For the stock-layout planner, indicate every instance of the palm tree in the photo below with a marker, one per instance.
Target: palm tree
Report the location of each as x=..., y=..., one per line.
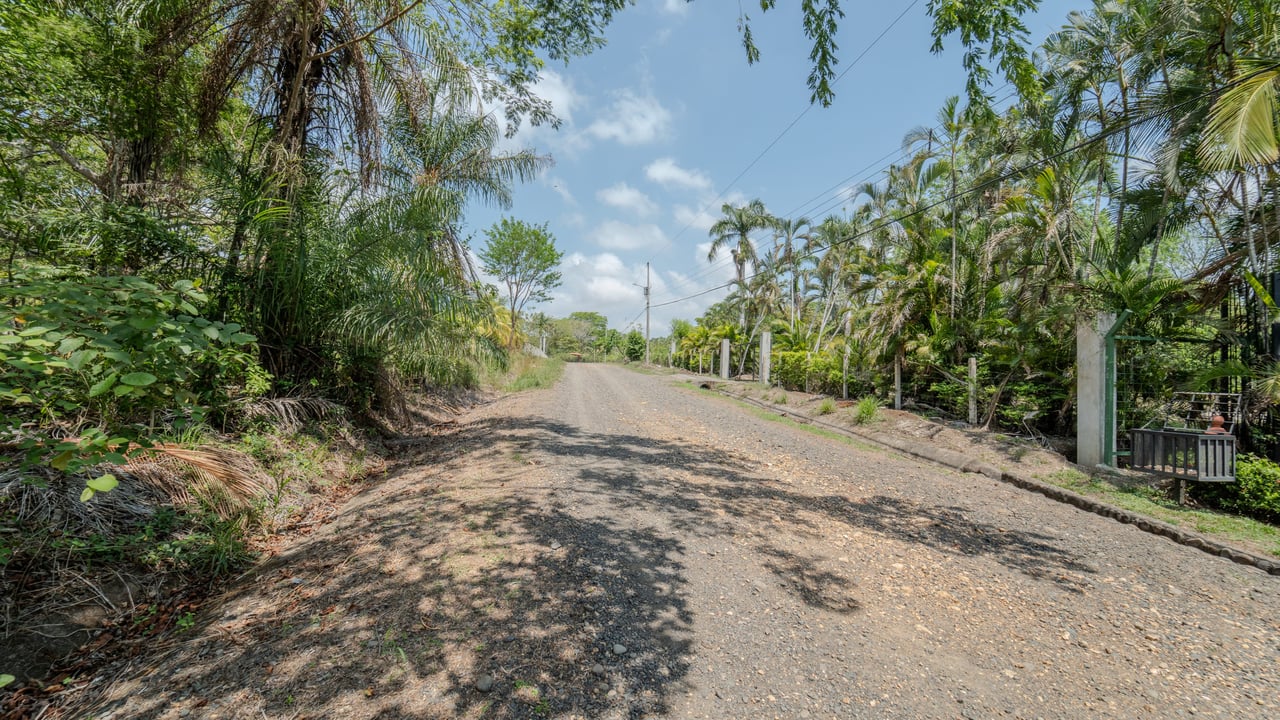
x=787, y=233
x=734, y=232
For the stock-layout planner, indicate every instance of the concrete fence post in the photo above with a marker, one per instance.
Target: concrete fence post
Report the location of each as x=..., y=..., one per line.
x=1091, y=389
x=724, y=359
x=766, y=355
x=973, y=391
x=897, y=382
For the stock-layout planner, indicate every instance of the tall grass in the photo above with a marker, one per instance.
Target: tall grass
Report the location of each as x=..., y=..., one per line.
x=531, y=373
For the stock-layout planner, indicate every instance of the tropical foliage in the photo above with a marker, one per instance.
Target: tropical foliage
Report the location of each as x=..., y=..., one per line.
x=1140, y=174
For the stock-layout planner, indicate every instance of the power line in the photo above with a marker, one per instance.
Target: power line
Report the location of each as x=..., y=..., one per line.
x=822, y=203
x=819, y=204
x=1101, y=136
x=797, y=118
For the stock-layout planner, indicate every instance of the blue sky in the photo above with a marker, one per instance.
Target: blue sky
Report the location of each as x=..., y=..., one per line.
x=659, y=125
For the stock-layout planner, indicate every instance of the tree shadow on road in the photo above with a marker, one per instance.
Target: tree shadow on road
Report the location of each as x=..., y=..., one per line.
x=521, y=551
x=704, y=491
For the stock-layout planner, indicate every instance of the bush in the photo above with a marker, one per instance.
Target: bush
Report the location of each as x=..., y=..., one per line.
x=1256, y=491
x=108, y=359
x=867, y=410
x=819, y=372
x=827, y=406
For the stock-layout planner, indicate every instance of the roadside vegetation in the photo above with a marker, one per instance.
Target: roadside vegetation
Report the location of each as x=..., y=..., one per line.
x=1140, y=179
x=234, y=256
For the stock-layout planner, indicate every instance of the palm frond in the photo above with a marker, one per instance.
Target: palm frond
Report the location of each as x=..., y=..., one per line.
x=1242, y=124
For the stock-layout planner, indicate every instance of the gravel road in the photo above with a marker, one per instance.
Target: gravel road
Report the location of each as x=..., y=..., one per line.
x=812, y=578
x=625, y=546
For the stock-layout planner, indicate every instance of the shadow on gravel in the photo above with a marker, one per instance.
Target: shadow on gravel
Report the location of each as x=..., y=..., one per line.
x=399, y=609
x=638, y=472
x=417, y=592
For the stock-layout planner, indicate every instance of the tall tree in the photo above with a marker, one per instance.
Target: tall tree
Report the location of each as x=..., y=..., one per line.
x=733, y=231
x=523, y=257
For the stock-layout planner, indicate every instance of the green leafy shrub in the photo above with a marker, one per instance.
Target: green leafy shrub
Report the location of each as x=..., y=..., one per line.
x=1256, y=491
x=827, y=406
x=93, y=365
x=633, y=346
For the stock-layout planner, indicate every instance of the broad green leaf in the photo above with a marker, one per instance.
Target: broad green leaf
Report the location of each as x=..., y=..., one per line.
x=6, y=679
x=102, y=385
x=70, y=345
x=37, y=330
x=80, y=357
x=1261, y=291
x=211, y=333
x=122, y=390
x=86, y=494
x=10, y=339
x=106, y=483
x=144, y=323
x=61, y=461
x=138, y=379
x=242, y=338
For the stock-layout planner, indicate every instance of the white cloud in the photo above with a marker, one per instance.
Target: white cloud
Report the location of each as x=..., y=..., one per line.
x=628, y=198
x=632, y=120
x=699, y=219
x=615, y=235
x=561, y=188
x=557, y=90
x=667, y=173
x=675, y=7
x=600, y=283
x=605, y=284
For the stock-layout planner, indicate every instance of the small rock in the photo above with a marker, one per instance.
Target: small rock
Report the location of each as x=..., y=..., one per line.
x=619, y=649
x=555, y=545
x=484, y=683
x=597, y=669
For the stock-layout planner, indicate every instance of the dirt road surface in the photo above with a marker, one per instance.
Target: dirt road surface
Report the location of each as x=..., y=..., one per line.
x=626, y=547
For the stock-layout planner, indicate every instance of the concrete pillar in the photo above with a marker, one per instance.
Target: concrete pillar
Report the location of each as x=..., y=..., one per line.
x=1091, y=389
x=766, y=355
x=724, y=359
x=897, y=382
x=973, y=391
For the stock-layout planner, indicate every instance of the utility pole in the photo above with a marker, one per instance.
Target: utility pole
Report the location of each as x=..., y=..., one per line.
x=646, y=313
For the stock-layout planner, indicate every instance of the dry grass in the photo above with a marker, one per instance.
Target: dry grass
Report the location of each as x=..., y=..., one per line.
x=227, y=480
x=290, y=414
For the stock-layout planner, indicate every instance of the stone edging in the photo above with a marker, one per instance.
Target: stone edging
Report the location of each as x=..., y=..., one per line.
x=964, y=463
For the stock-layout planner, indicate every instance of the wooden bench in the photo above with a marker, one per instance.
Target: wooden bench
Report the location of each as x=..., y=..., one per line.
x=1189, y=445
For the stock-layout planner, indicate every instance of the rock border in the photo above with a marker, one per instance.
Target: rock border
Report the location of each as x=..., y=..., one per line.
x=959, y=461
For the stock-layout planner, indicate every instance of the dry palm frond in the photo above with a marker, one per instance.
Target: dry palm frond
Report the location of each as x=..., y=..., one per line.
x=227, y=480
x=52, y=501
x=290, y=414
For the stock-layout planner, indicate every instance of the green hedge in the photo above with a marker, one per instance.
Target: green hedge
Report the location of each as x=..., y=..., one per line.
x=1256, y=491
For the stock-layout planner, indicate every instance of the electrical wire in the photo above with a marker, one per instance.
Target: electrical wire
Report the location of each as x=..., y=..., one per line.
x=823, y=202
x=1100, y=137
x=760, y=156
